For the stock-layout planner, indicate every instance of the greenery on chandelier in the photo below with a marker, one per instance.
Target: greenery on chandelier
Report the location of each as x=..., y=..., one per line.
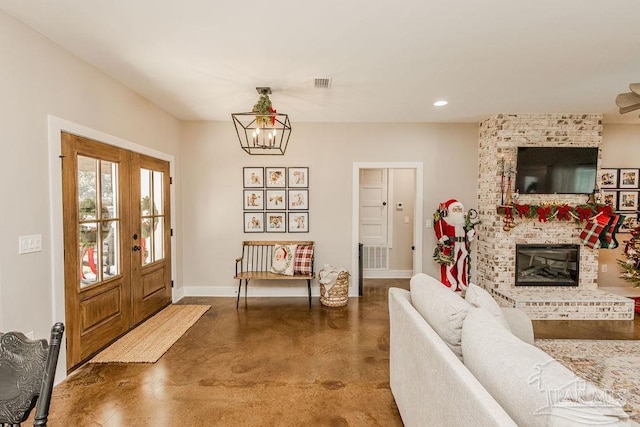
x=263, y=106
x=631, y=264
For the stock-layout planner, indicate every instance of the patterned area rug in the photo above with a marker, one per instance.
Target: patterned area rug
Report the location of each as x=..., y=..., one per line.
x=612, y=365
x=150, y=340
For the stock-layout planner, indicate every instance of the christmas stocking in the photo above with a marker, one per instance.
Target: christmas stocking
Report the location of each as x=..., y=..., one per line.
x=608, y=235
x=590, y=236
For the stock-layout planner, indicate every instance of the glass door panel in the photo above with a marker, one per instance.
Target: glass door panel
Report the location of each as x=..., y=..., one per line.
x=152, y=215
x=98, y=220
x=158, y=239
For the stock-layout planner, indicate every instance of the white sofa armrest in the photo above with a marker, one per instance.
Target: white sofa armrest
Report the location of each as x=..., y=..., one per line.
x=519, y=323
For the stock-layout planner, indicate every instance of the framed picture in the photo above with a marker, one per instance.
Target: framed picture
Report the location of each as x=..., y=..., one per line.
x=608, y=178
x=276, y=199
x=610, y=198
x=254, y=222
x=253, y=177
x=628, y=200
x=276, y=177
x=276, y=222
x=253, y=200
x=298, y=177
x=298, y=222
x=628, y=178
x=298, y=199
x=629, y=223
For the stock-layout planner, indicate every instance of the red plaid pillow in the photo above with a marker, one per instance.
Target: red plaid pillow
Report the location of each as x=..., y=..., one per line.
x=303, y=261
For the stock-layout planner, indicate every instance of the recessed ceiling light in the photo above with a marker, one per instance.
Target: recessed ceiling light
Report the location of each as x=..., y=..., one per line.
x=440, y=103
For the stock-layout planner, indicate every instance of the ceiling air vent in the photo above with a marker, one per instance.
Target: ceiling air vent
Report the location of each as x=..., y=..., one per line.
x=322, y=83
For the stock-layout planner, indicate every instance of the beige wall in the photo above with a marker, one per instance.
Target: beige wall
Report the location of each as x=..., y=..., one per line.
x=212, y=188
x=401, y=255
x=39, y=79
x=620, y=149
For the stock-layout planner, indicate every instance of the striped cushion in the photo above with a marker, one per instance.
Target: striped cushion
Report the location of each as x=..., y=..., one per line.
x=303, y=260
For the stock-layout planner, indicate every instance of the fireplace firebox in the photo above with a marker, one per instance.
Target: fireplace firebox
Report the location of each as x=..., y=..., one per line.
x=547, y=265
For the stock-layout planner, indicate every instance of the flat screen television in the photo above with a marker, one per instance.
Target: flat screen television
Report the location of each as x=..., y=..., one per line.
x=556, y=170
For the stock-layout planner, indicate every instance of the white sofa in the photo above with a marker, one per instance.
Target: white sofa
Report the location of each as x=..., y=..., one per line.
x=473, y=363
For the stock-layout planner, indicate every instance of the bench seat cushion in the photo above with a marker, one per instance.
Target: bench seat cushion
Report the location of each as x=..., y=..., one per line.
x=267, y=275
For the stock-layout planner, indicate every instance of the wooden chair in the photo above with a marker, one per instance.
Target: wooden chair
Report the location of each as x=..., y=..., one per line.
x=27, y=371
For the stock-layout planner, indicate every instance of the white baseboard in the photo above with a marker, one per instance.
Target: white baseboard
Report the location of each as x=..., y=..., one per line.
x=255, y=291
x=387, y=274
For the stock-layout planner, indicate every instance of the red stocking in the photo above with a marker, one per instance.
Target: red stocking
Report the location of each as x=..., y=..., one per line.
x=590, y=236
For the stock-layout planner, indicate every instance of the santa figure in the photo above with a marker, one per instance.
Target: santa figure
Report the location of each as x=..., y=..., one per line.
x=454, y=230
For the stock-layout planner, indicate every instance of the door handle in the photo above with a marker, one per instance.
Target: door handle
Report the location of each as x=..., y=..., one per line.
x=136, y=248
x=384, y=203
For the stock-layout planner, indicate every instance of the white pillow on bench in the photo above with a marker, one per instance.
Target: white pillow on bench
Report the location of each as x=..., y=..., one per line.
x=282, y=260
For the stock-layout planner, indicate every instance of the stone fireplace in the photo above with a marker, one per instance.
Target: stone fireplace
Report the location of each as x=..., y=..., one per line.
x=500, y=135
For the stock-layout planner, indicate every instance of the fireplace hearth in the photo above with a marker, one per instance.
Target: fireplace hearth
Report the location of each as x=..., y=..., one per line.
x=547, y=265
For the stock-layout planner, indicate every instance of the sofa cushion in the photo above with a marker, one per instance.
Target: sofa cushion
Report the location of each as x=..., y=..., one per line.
x=443, y=309
x=530, y=385
x=479, y=297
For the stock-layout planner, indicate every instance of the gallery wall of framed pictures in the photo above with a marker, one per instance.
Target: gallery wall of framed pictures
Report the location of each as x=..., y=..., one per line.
x=620, y=188
x=275, y=199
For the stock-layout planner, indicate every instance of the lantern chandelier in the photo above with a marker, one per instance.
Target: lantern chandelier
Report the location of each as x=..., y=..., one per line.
x=263, y=130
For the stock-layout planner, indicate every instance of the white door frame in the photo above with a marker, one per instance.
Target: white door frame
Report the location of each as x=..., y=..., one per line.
x=56, y=126
x=355, y=219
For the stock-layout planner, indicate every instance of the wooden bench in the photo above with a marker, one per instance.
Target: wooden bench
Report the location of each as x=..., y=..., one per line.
x=255, y=263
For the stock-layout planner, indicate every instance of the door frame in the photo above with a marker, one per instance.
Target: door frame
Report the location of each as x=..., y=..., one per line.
x=57, y=125
x=355, y=219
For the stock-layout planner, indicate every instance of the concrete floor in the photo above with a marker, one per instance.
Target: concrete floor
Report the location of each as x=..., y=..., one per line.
x=273, y=362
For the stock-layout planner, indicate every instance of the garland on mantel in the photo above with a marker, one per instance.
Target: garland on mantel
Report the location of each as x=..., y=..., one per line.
x=601, y=222
x=559, y=212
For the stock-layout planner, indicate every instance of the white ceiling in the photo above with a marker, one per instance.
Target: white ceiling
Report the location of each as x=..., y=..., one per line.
x=388, y=60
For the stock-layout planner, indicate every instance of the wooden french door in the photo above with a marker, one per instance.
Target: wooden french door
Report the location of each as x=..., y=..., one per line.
x=116, y=241
x=151, y=257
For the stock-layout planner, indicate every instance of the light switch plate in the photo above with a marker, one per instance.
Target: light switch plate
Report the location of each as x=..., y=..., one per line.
x=29, y=244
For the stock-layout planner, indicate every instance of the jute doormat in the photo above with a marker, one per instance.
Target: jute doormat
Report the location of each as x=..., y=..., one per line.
x=150, y=340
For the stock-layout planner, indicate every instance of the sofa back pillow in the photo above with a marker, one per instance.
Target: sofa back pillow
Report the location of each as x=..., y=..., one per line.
x=479, y=297
x=443, y=309
x=282, y=259
x=530, y=385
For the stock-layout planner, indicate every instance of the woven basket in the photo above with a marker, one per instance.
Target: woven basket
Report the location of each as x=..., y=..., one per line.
x=339, y=292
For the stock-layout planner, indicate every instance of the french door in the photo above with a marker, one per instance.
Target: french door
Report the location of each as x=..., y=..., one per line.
x=116, y=242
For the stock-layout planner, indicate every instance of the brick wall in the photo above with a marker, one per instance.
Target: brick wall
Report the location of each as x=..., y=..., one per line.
x=500, y=135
